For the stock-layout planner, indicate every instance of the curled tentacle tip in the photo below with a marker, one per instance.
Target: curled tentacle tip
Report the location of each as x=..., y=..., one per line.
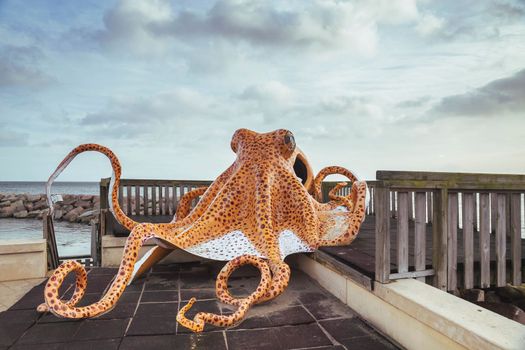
x=42, y=308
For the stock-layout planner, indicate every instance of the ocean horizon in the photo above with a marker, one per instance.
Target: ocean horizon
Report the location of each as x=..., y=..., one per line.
x=58, y=187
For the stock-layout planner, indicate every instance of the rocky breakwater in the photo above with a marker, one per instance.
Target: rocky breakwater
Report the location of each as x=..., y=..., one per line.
x=73, y=208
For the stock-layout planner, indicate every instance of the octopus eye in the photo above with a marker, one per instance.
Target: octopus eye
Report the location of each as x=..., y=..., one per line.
x=289, y=141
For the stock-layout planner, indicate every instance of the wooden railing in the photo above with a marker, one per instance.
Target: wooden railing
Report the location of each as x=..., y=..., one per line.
x=146, y=198
x=482, y=208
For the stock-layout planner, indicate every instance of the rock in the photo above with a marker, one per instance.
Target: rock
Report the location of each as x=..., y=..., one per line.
x=507, y=310
x=18, y=205
x=86, y=197
x=492, y=297
x=33, y=197
x=69, y=201
x=41, y=204
x=473, y=295
x=5, y=204
x=58, y=213
x=510, y=293
x=41, y=214
x=7, y=212
x=66, y=208
x=83, y=204
x=87, y=213
x=21, y=214
x=72, y=215
x=34, y=213
x=28, y=205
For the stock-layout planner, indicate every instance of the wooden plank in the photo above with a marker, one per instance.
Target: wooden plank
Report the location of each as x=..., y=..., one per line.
x=484, y=239
x=447, y=176
x=420, y=233
x=341, y=267
x=468, y=239
x=515, y=237
x=153, y=200
x=402, y=231
x=175, y=199
x=137, y=200
x=430, y=211
x=439, y=237
x=410, y=205
x=452, y=244
x=493, y=211
x=393, y=204
x=500, y=241
x=168, y=204
x=129, y=209
x=413, y=274
x=145, y=189
x=161, y=201
x=476, y=205
x=371, y=204
x=382, y=233
x=121, y=197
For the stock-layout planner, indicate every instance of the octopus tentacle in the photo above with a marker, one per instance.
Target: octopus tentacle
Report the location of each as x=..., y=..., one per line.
x=68, y=309
x=323, y=173
x=198, y=322
x=280, y=278
x=80, y=288
x=115, y=164
x=184, y=207
x=355, y=216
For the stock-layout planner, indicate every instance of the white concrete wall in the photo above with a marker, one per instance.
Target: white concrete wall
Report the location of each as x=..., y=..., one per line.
x=113, y=247
x=22, y=259
x=419, y=316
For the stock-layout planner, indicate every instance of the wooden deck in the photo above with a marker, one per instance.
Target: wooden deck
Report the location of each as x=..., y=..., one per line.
x=360, y=255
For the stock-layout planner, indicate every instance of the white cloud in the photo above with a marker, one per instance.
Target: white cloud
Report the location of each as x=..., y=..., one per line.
x=428, y=24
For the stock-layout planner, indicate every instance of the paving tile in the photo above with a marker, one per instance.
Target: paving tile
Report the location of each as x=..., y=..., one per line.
x=311, y=297
x=189, y=281
x=290, y=316
x=162, y=282
x=129, y=297
x=159, y=296
x=31, y=299
x=301, y=336
x=346, y=328
x=98, y=283
x=136, y=286
x=329, y=308
x=183, y=341
x=158, y=318
x=157, y=309
x=120, y=311
x=13, y=323
x=49, y=333
x=202, y=293
x=253, y=339
x=103, y=271
x=56, y=346
x=101, y=329
x=256, y=321
x=210, y=306
x=103, y=344
x=368, y=343
x=152, y=326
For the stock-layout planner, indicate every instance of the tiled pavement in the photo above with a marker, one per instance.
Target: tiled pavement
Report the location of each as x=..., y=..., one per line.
x=304, y=317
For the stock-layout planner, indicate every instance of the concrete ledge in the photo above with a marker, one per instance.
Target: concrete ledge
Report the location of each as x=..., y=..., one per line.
x=21, y=260
x=113, y=247
x=419, y=316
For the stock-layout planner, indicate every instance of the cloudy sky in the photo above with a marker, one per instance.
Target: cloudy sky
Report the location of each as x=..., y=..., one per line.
x=385, y=84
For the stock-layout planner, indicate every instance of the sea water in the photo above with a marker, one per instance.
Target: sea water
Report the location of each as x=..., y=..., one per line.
x=72, y=238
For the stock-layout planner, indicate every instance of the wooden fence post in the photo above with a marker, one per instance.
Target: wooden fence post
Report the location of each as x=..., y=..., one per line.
x=382, y=205
x=439, y=237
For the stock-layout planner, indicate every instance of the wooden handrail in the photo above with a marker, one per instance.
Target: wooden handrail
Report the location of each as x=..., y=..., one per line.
x=466, y=204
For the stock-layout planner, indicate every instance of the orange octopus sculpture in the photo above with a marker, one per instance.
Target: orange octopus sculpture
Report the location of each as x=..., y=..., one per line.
x=265, y=206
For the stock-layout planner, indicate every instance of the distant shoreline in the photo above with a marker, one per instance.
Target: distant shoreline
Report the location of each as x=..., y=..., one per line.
x=80, y=208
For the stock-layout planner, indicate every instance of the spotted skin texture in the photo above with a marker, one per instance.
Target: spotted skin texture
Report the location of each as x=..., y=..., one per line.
x=258, y=200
